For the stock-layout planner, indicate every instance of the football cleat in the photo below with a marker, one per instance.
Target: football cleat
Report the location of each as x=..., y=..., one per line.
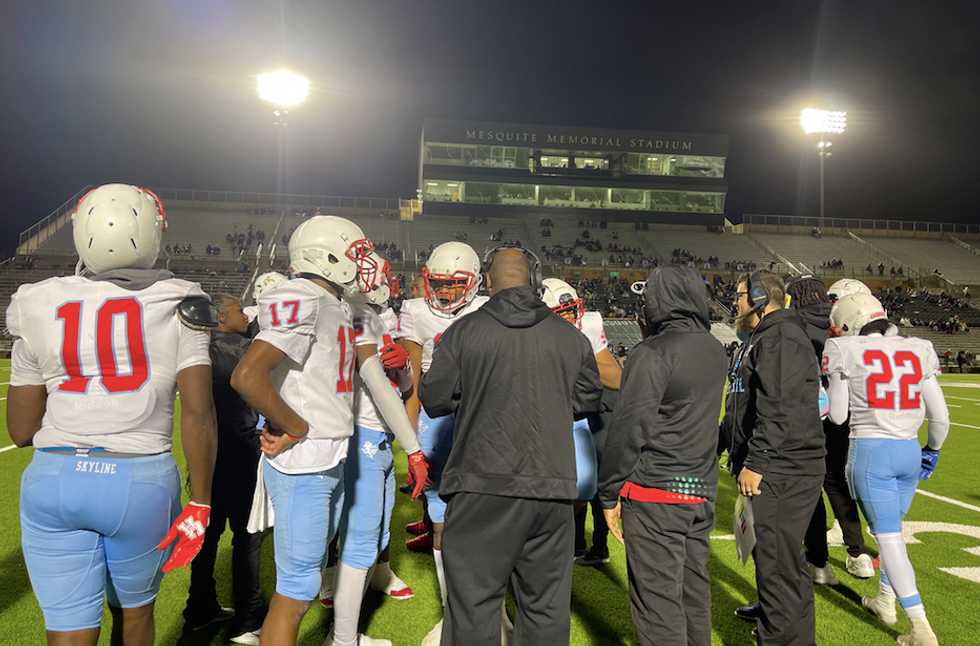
x=417, y=528
x=921, y=635
x=860, y=566
x=421, y=543
x=593, y=557
x=883, y=607
x=751, y=612
x=823, y=575
x=386, y=581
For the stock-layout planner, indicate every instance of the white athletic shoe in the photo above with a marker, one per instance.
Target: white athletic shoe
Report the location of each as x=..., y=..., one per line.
x=921, y=635
x=823, y=575
x=883, y=607
x=326, y=586
x=506, y=627
x=386, y=581
x=362, y=640
x=860, y=566
x=434, y=638
x=250, y=638
x=835, y=535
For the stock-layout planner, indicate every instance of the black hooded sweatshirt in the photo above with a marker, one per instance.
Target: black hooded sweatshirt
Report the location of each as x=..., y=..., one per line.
x=517, y=375
x=772, y=413
x=664, y=432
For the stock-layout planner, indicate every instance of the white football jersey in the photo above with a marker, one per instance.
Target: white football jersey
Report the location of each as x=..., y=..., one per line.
x=369, y=329
x=418, y=324
x=591, y=327
x=390, y=319
x=313, y=328
x=884, y=375
x=108, y=357
x=252, y=311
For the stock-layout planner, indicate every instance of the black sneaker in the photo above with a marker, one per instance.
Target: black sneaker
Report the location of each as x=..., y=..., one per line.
x=223, y=614
x=594, y=557
x=752, y=612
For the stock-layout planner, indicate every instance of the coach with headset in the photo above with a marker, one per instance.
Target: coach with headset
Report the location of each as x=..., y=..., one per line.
x=776, y=447
x=516, y=374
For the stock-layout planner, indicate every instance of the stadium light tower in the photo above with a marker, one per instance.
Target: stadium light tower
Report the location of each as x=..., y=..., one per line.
x=282, y=88
x=825, y=122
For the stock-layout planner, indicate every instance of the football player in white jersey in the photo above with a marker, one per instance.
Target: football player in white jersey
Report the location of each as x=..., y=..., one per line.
x=262, y=283
x=451, y=279
x=566, y=303
x=95, y=366
x=369, y=476
x=299, y=374
x=888, y=385
x=845, y=287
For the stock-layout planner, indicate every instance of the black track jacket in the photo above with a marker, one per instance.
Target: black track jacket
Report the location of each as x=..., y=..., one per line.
x=664, y=432
x=772, y=415
x=236, y=420
x=516, y=375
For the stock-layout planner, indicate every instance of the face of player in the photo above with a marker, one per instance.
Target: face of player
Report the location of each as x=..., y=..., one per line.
x=568, y=314
x=233, y=319
x=448, y=292
x=418, y=287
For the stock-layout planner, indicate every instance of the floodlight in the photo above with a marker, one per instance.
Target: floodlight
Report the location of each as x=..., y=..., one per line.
x=823, y=121
x=282, y=87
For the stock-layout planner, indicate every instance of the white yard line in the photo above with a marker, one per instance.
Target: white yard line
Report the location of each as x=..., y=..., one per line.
x=966, y=399
x=951, y=501
x=956, y=405
x=7, y=448
x=964, y=425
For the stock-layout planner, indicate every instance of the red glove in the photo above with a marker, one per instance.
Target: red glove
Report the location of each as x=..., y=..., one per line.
x=418, y=468
x=188, y=531
x=394, y=356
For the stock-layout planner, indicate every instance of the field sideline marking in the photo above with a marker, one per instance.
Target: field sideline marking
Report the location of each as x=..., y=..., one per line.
x=966, y=399
x=929, y=494
x=965, y=425
x=7, y=448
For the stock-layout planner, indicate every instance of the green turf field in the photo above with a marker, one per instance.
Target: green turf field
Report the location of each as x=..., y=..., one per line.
x=947, y=563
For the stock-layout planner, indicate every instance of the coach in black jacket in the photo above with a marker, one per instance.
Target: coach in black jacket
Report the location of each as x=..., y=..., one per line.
x=515, y=374
x=661, y=456
x=776, y=449
x=235, y=472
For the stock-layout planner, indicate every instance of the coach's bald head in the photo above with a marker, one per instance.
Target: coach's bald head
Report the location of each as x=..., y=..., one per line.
x=509, y=269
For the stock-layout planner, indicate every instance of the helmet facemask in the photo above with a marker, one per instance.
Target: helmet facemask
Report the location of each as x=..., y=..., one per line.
x=446, y=293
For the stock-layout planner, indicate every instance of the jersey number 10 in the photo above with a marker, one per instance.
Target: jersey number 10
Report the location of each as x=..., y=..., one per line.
x=886, y=398
x=105, y=350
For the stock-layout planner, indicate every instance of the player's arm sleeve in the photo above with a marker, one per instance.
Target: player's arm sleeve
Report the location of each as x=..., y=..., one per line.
x=440, y=386
x=838, y=388
x=588, y=386
x=287, y=318
x=636, y=410
x=192, y=347
x=936, y=411
x=389, y=404
x=779, y=379
x=25, y=368
x=406, y=328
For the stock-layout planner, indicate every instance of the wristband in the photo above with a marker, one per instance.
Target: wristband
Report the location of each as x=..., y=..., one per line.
x=295, y=439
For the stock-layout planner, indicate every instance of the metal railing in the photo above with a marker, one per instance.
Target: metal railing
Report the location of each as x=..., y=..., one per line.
x=860, y=223
x=275, y=199
x=33, y=237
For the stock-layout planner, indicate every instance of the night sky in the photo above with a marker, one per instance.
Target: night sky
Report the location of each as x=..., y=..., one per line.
x=163, y=93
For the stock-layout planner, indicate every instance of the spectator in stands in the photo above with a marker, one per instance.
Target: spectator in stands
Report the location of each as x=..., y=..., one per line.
x=869, y=269
x=881, y=269
x=961, y=359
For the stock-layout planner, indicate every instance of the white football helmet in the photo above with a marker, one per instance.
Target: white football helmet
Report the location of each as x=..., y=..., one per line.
x=852, y=312
x=452, y=278
x=384, y=287
x=118, y=226
x=561, y=298
x=846, y=286
x=264, y=282
x=334, y=249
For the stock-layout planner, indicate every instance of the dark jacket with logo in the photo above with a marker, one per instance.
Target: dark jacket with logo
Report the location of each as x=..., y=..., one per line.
x=772, y=416
x=516, y=375
x=664, y=431
x=236, y=420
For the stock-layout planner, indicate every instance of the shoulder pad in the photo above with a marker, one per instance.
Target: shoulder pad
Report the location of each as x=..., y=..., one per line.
x=198, y=313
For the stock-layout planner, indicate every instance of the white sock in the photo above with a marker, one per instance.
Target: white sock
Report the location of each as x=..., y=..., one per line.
x=441, y=575
x=347, y=604
x=894, y=560
x=884, y=587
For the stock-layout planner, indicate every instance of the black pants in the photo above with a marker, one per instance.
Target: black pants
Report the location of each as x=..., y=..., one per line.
x=489, y=540
x=231, y=501
x=667, y=549
x=844, y=507
x=600, y=531
x=782, y=513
